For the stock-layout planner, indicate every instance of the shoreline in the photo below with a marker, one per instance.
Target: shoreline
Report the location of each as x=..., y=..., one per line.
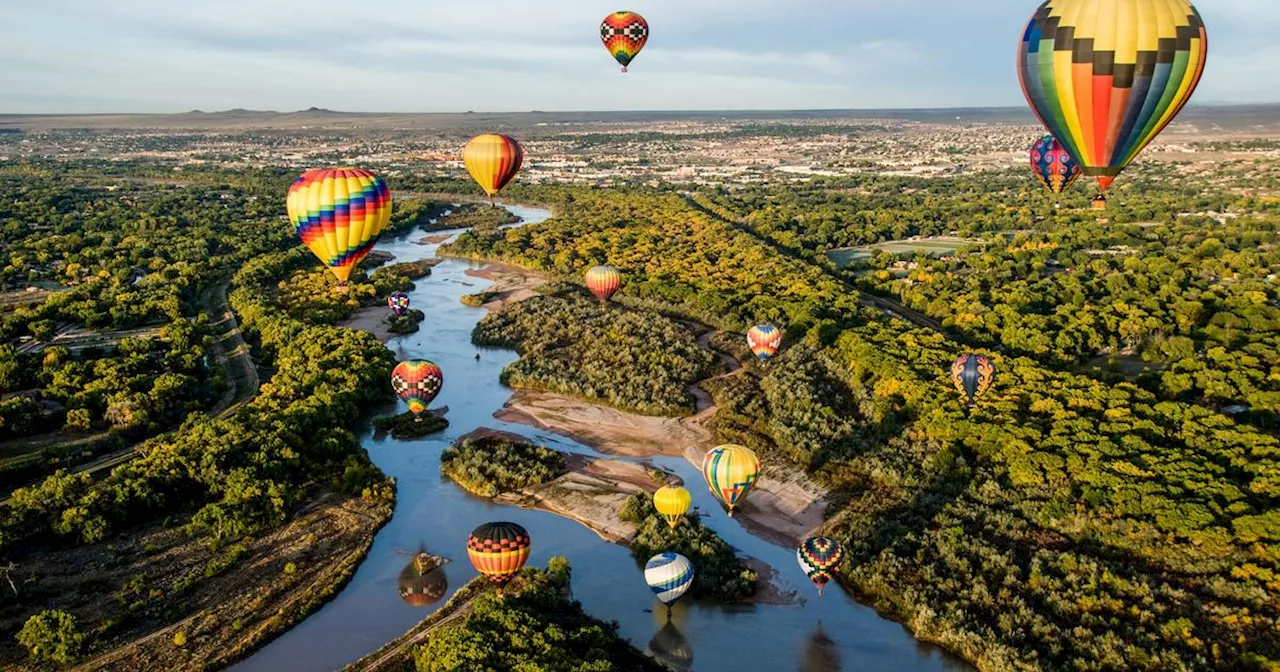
x=784, y=507
x=592, y=491
x=511, y=284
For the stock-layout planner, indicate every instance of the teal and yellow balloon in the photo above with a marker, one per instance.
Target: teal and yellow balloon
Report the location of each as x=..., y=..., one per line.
x=339, y=214
x=1106, y=76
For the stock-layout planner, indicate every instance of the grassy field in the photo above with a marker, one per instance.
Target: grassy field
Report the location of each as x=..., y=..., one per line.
x=938, y=245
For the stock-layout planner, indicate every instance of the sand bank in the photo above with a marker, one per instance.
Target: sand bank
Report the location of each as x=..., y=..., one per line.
x=510, y=283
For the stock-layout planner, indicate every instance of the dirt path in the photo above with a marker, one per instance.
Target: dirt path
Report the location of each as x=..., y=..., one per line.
x=230, y=352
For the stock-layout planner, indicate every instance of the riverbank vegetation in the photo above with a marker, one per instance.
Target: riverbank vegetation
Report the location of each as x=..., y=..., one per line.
x=219, y=482
x=407, y=426
x=719, y=575
x=491, y=465
x=480, y=215
x=635, y=361
x=1067, y=521
x=479, y=299
x=536, y=626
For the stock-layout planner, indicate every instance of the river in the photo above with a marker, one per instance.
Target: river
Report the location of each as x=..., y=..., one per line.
x=832, y=632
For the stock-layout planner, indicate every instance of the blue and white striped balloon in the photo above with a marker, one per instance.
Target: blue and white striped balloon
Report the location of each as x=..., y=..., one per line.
x=669, y=575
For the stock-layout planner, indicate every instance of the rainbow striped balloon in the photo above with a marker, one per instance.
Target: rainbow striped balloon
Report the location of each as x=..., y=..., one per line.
x=764, y=340
x=1106, y=76
x=669, y=576
x=731, y=471
x=603, y=281
x=339, y=213
x=493, y=160
x=624, y=35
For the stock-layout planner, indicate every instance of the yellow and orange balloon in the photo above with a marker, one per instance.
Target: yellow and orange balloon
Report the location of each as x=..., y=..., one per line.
x=493, y=160
x=339, y=214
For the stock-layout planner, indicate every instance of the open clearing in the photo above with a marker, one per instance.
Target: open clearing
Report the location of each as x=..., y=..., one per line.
x=937, y=246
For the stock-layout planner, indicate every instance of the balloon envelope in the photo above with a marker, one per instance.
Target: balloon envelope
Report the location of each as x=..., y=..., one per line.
x=672, y=503
x=1053, y=165
x=498, y=550
x=417, y=382
x=493, y=160
x=339, y=214
x=764, y=340
x=399, y=303
x=669, y=576
x=624, y=35
x=731, y=470
x=603, y=281
x=1106, y=76
x=973, y=375
x=818, y=558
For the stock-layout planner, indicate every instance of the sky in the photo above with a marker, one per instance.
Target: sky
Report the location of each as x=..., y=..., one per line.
x=520, y=55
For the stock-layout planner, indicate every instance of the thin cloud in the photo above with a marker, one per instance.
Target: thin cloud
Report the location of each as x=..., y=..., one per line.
x=441, y=55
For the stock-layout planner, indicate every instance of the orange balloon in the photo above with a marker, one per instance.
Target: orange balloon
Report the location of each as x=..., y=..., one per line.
x=493, y=160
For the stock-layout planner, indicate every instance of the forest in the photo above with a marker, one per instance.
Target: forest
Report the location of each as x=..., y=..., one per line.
x=719, y=576
x=490, y=465
x=640, y=362
x=1078, y=517
x=1068, y=521
x=222, y=479
x=537, y=626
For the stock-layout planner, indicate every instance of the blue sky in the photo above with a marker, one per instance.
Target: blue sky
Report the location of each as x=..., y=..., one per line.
x=513, y=55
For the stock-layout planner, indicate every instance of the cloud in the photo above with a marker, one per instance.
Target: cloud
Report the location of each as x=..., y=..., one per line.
x=444, y=55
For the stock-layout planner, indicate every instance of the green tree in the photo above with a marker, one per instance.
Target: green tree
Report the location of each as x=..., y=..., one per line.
x=52, y=636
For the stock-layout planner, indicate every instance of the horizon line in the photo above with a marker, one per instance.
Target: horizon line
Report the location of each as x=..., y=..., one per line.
x=1023, y=108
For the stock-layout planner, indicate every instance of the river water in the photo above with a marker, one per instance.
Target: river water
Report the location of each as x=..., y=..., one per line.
x=827, y=633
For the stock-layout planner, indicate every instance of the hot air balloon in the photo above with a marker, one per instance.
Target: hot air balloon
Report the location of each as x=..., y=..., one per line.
x=973, y=374
x=417, y=382
x=421, y=588
x=603, y=281
x=1106, y=76
x=818, y=557
x=339, y=213
x=399, y=303
x=624, y=35
x=764, y=340
x=669, y=576
x=730, y=471
x=672, y=503
x=1052, y=165
x=493, y=160
x=498, y=550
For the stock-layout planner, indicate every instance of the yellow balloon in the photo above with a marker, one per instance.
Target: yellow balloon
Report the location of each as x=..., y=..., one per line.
x=672, y=503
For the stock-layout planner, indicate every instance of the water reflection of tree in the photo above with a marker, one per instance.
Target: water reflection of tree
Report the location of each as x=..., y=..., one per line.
x=819, y=653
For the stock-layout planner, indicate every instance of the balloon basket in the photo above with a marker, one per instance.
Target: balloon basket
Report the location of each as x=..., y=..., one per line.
x=624, y=69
